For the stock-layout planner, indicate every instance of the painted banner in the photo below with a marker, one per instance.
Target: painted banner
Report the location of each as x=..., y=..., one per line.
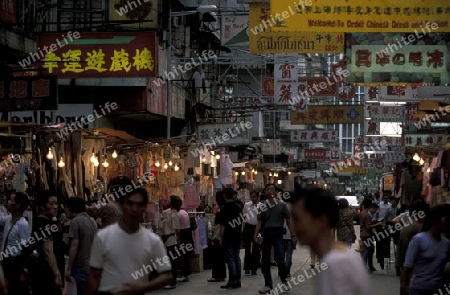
x=271, y=147
x=313, y=86
x=315, y=154
x=224, y=134
x=331, y=114
x=424, y=139
x=404, y=64
x=372, y=127
x=391, y=93
x=112, y=54
x=28, y=93
x=234, y=30
x=335, y=154
x=361, y=15
x=378, y=113
x=377, y=141
x=314, y=136
x=285, y=78
x=266, y=38
x=8, y=11
x=141, y=14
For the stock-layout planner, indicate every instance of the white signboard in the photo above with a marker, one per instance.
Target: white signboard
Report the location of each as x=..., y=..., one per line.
x=424, y=139
x=384, y=113
x=285, y=79
x=389, y=141
x=307, y=174
x=314, y=136
x=66, y=113
x=271, y=147
x=235, y=30
x=391, y=93
x=225, y=134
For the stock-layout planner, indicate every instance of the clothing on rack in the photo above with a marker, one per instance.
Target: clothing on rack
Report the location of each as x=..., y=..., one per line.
x=191, y=201
x=202, y=231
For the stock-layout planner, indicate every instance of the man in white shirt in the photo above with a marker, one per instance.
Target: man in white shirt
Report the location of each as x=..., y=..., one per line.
x=314, y=214
x=384, y=207
x=125, y=254
x=252, y=249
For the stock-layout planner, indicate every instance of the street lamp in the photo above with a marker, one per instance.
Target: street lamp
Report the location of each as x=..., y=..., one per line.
x=201, y=9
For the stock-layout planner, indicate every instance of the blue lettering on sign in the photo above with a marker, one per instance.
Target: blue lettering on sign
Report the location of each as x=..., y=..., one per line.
x=353, y=114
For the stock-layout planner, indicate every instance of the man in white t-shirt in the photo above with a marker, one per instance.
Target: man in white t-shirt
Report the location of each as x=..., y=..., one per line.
x=314, y=214
x=125, y=254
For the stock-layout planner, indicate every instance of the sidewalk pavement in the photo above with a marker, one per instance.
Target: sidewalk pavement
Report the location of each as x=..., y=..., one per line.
x=384, y=282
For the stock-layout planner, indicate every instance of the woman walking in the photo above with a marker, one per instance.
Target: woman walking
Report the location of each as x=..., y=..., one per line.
x=345, y=231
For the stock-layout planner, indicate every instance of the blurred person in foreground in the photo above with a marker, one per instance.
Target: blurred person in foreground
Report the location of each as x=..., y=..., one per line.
x=125, y=254
x=427, y=254
x=315, y=213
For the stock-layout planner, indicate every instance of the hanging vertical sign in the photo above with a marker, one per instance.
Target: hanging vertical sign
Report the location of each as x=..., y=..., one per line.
x=285, y=79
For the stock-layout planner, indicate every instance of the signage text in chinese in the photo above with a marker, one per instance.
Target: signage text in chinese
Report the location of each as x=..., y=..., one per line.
x=329, y=115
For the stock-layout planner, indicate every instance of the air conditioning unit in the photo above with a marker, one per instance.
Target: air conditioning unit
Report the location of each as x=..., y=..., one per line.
x=175, y=22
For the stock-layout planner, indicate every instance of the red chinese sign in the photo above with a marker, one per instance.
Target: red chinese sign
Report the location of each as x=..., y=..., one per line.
x=117, y=54
x=320, y=86
x=315, y=154
x=314, y=136
x=28, y=93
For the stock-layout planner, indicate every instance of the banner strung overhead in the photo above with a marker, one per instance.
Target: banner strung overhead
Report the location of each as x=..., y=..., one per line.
x=329, y=115
x=266, y=39
x=361, y=15
x=314, y=136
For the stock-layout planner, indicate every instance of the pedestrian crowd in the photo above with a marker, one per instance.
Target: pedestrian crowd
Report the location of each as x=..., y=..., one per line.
x=121, y=256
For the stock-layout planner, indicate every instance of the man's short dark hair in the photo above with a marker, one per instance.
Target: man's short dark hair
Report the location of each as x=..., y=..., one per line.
x=124, y=187
x=175, y=202
x=140, y=190
x=374, y=205
x=318, y=202
x=76, y=205
x=263, y=197
x=22, y=200
x=367, y=203
x=228, y=193
x=269, y=184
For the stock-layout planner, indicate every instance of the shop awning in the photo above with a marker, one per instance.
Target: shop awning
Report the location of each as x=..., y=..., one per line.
x=118, y=137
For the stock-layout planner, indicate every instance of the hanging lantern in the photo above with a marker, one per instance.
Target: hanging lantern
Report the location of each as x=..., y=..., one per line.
x=61, y=163
x=50, y=154
x=114, y=154
x=243, y=173
x=176, y=168
x=157, y=164
x=170, y=163
x=105, y=164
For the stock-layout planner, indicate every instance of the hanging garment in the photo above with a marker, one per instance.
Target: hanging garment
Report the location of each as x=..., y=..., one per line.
x=259, y=181
x=196, y=238
x=190, y=197
x=202, y=232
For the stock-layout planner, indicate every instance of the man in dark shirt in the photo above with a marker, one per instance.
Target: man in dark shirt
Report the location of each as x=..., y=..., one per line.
x=230, y=238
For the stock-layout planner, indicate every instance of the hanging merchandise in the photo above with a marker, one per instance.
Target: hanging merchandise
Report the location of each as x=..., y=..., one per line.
x=226, y=166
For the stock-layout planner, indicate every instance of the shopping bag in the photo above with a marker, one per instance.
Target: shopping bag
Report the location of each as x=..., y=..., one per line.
x=70, y=287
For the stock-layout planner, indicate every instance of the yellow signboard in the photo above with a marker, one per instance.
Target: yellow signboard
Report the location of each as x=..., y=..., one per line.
x=265, y=39
x=361, y=15
x=329, y=115
x=135, y=14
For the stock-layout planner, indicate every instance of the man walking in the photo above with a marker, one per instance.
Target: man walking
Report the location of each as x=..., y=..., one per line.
x=16, y=236
x=230, y=238
x=252, y=249
x=82, y=231
x=125, y=254
x=273, y=216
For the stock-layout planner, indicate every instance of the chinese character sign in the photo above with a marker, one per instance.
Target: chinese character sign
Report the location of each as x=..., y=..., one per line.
x=362, y=15
x=378, y=141
x=314, y=136
x=28, y=93
x=391, y=93
x=424, y=139
x=225, y=134
x=380, y=113
x=405, y=64
x=315, y=154
x=330, y=114
x=371, y=127
x=285, y=79
x=235, y=30
x=118, y=54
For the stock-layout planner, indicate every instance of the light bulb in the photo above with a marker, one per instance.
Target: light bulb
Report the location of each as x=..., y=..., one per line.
x=157, y=164
x=176, y=168
x=421, y=162
x=279, y=181
x=61, y=163
x=236, y=173
x=243, y=173
x=170, y=163
x=217, y=156
x=416, y=157
x=204, y=159
x=166, y=166
x=275, y=174
x=96, y=163
x=256, y=172
x=270, y=174
x=50, y=154
x=289, y=172
x=105, y=164
x=93, y=158
x=114, y=154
